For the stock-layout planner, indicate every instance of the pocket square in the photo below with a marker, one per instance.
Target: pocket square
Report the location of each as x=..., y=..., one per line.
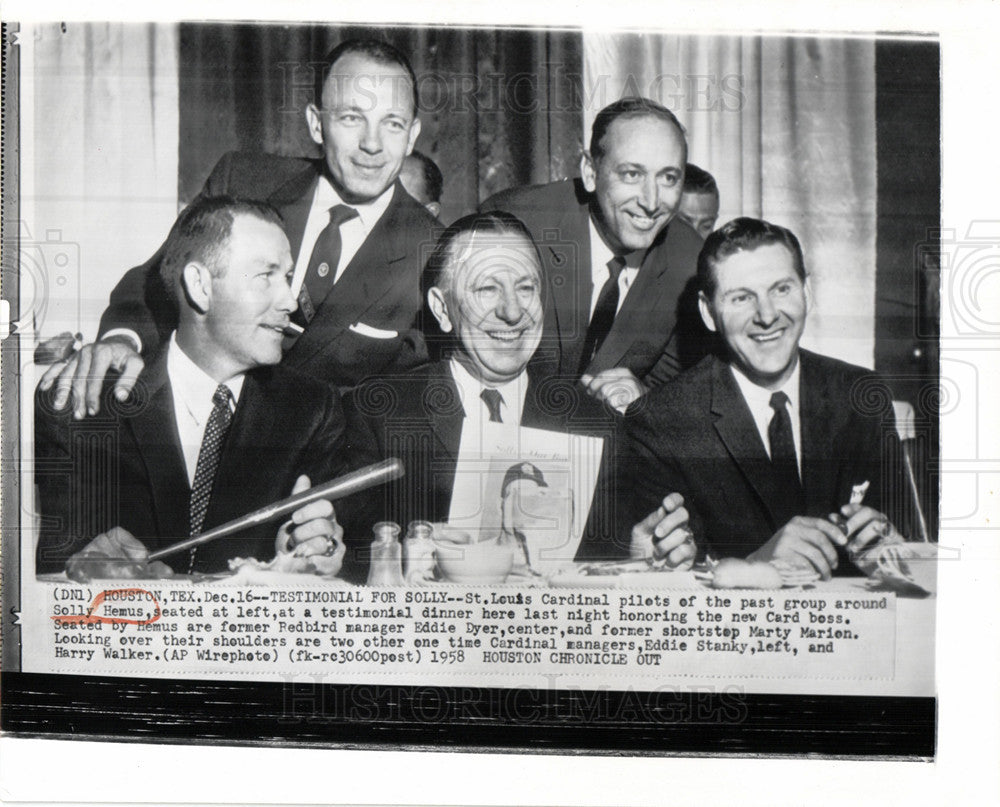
x=373, y=333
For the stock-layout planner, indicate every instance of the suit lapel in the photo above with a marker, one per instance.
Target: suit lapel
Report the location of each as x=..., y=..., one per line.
x=254, y=420
x=737, y=430
x=294, y=200
x=369, y=276
x=569, y=284
x=440, y=402
x=641, y=303
x=154, y=428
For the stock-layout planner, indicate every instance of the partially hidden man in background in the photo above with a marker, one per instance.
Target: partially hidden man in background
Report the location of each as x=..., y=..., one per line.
x=615, y=257
x=423, y=181
x=770, y=444
x=484, y=291
x=214, y=426
x=358, y=240
x=700, y=200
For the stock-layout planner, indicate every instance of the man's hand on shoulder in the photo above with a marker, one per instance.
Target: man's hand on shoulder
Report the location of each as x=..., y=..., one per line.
x=81, y=377
x=616, y=386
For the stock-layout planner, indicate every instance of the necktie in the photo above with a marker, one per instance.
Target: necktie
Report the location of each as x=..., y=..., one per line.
x=783, y=460
x=208, y=459
x=492, y=398
x=322, y=268
x=604, y=313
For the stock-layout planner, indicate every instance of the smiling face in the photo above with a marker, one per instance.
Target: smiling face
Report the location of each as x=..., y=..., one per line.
x=637, y=181
x=366, y=127
x=493, y=303
x=700, y=210
x=759, y=308
x=251, y=299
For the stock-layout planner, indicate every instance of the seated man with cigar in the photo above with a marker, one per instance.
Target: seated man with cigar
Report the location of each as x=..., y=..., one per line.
x=213, y=429
x=778, y=452
x=483, y=287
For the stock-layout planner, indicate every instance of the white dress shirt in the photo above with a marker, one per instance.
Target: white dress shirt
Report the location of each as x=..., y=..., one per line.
x=477, y=413
x=352, y=232
x=599, y=257
x=759, y=401
x=193, y=389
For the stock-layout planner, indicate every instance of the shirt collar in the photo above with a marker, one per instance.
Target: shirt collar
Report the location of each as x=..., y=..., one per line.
x=193, y=386
x=368, y=212
x=756, y=395
x=471, y=388
x=600, y=252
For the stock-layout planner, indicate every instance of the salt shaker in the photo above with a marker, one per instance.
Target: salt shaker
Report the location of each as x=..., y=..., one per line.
x=418, y=553
x=386, y=556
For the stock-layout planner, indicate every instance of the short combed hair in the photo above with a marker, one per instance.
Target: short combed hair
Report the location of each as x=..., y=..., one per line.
x=739, y=235
x=698, y=180
x=433, y=179
x=439, y=271
x=202, y=232
x=630, y=107
x=375, y=49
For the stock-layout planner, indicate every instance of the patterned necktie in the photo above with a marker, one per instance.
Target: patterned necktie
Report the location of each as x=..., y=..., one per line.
x=322, y=269
x=208, y=459
x=492, y=398
x=604, y=313
x=783, y=459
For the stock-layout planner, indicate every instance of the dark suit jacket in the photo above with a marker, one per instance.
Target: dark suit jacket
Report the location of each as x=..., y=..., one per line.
x=418, y=417
x=653, y=335
x=379, y=288
x=124, y=467
x=696, y=436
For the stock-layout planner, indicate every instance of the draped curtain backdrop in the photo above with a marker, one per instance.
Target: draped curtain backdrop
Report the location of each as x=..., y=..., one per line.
x=787, y=127
x=101, y=154
x=498, y=107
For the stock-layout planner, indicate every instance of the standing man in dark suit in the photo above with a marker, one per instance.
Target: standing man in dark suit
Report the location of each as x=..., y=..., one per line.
x=214, y=427
x=615, y=259
x=484, y=289
x=358, y=239
x=770, y=444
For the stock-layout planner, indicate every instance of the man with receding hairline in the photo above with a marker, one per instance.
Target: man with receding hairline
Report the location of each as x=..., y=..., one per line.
x=355, y=233
x=615, y=257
